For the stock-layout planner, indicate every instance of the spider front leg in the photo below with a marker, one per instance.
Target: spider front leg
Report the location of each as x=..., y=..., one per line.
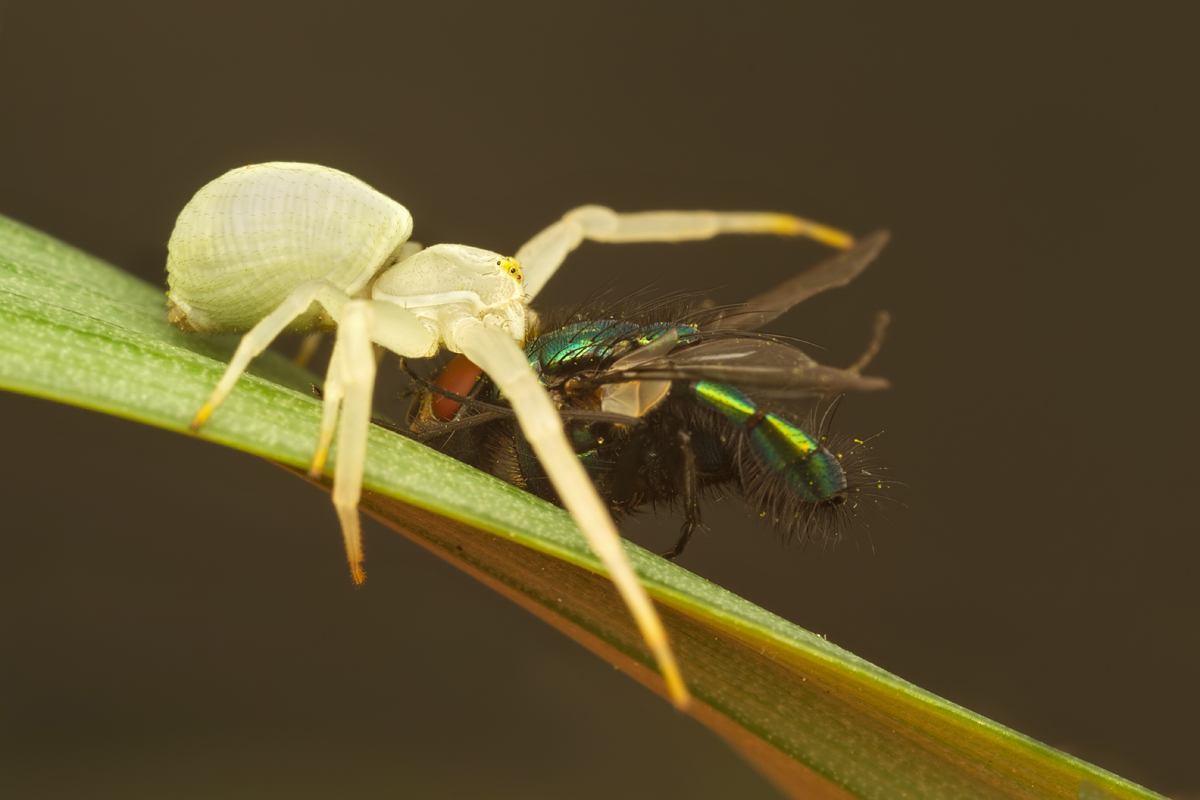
x=349, y=385
x=502, y=358
x=542, y=255
x=348, y=389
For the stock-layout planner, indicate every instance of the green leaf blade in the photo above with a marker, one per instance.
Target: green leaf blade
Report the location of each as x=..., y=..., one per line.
x=817, y=719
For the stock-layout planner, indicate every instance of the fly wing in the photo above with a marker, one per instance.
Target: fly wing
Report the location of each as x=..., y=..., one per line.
x=747, y=363
x=829, y=274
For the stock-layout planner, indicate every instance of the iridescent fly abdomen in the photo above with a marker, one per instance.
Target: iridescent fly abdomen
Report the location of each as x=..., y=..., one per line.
x=806, y=466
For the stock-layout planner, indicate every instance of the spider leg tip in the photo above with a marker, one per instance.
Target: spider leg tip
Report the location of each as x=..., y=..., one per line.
x=201, y=417
x=677, y=690
x=318, y=463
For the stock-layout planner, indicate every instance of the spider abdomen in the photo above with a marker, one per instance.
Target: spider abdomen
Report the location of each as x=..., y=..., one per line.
x=248, y=238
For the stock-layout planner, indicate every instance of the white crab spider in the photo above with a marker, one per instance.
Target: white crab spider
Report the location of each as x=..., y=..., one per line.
x=284, y=246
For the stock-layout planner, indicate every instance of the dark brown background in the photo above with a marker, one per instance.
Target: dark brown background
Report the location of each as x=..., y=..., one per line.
x=176, y=619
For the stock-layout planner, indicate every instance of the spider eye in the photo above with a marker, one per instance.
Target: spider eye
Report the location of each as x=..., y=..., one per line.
x=512, y=270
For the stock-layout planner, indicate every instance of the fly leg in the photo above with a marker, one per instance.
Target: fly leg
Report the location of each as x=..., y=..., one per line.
x=691, y=497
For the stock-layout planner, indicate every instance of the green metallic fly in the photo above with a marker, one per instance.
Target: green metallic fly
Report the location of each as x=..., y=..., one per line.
x=668, y=402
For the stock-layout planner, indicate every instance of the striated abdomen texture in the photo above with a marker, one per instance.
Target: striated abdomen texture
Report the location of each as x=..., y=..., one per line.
x=250, y=237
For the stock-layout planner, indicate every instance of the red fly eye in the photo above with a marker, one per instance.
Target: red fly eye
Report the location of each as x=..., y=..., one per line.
x=458, y=376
